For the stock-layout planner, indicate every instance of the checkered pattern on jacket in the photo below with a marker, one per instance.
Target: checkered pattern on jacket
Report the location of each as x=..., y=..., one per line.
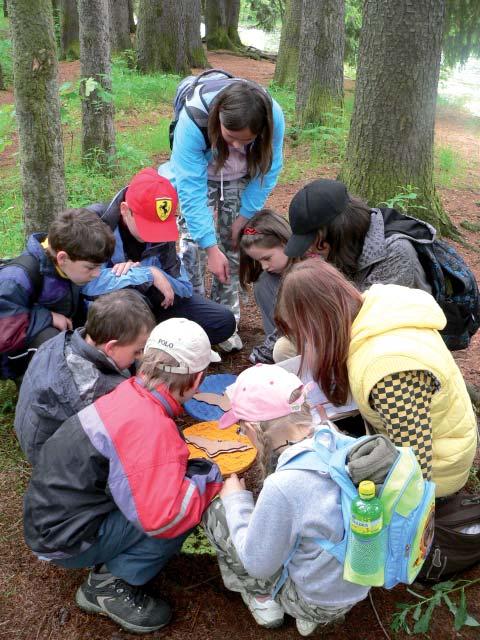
x=403, y=402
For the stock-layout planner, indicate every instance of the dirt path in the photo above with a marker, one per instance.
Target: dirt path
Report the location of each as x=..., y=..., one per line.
x=36, y=599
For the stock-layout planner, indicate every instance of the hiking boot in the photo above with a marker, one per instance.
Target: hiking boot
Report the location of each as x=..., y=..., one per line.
x=128, y=606
x=267, y=613
x=234, y=343
x=305, y=627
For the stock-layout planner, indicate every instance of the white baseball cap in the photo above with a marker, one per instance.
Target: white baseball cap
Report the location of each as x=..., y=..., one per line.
x=185, y=341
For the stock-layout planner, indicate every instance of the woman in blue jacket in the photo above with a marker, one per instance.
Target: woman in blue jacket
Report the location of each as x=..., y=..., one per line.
x=229, y=165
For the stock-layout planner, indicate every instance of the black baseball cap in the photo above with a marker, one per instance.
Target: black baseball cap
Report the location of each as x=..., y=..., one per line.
x=313, y=207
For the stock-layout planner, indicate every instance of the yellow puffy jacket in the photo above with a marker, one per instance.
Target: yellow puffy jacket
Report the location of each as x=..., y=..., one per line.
x=396, y=330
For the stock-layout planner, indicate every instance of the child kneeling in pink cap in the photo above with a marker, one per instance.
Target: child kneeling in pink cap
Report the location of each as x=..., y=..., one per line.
x=254, y=541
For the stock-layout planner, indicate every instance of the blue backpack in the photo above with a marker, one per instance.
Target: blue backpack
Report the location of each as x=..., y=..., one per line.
x=408, y=503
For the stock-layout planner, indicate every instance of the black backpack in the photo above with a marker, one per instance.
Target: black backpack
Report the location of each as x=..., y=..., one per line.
x=31, y=266
x=453, y=284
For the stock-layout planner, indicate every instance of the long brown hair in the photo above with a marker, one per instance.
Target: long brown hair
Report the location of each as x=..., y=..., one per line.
x=345, y=235
x=315, y=308
x=243, y=105
x=270, y=230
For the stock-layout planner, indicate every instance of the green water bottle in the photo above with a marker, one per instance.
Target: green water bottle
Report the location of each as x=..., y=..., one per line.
x=366, y=544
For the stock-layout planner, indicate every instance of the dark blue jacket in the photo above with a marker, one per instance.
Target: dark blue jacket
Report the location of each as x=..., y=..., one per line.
x=22, y=314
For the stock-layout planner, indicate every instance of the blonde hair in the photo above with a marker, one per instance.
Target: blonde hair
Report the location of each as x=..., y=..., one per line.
x=265, y=429
x=153, y=375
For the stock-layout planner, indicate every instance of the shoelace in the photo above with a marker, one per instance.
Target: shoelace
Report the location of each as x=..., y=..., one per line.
x=135, y=595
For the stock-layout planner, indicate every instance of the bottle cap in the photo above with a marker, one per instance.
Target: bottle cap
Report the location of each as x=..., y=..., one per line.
x=366, y=489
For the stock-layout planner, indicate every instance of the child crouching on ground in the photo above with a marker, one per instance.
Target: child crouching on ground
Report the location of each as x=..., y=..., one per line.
x=73, y=369
x=114, y=488
x=253, y=541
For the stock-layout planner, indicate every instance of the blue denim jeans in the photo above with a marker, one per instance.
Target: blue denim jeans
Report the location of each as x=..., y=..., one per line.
x=127, y=551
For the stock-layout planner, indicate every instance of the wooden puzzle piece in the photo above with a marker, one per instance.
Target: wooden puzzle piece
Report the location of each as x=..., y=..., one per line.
x=215, y=399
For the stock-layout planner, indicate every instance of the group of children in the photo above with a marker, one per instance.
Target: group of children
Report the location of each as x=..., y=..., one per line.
x=122, y=339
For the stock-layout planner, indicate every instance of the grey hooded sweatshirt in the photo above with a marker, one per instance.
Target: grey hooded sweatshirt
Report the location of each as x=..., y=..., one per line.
x=293, y=503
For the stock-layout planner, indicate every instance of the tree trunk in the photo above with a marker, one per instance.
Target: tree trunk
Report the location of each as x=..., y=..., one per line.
x=5, y=8
x=233, y=16
x=161, y=36
x=221, y=24
x=131, y=20
x=196, y=52
x=119, y=26
x=98, y=132
x=70, y=42
x=2, y=82
x=320, y=72
x=286, y=69
x=37, y=109
x=390, y=146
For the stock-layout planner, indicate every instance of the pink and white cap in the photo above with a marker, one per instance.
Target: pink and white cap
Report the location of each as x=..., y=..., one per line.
x=262, y=393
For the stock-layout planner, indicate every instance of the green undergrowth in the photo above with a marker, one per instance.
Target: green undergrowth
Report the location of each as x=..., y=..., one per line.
x=450, y=167
x=197, y=543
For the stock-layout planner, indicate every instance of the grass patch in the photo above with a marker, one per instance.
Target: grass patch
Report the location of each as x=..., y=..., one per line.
x=6, y=51
x=7, y=125
x=450, y=167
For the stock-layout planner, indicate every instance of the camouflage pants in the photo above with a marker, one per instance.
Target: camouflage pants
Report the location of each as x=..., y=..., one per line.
x=236, y=578
x=195, y=259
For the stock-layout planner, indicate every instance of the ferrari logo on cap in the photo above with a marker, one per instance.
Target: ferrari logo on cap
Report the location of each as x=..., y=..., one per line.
x=163, y=207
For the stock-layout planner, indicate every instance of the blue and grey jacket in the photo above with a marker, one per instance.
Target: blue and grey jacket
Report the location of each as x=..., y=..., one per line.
x=187, y=170
x=65, y=375
x=162, y=255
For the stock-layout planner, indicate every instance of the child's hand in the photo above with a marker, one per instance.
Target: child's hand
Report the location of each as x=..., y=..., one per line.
x=232, y=485
x=121, y=268
x=161, y=283
x=61, y=322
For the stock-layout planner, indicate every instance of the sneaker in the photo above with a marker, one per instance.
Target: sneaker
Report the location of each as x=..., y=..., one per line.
x=267, y=613
x=305, y=627
x=127, y=605
x=234, y=343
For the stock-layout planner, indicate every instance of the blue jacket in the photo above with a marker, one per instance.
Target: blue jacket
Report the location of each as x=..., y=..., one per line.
x=187, y=170
x=162, y=255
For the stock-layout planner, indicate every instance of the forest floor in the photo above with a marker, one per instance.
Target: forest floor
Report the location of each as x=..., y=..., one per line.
x=36, y=599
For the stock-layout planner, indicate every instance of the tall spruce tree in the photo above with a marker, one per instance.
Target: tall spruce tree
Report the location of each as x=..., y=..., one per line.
x=37, y=109
x=390, y=145
x=161, y=36
x=286, y=69
x=98, y=131
x=320, y=71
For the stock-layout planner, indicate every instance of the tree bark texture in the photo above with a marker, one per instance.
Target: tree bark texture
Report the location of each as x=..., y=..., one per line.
x=131, y=20
x=320, y=70
x=98, y=132
x=2, y=82
x=391, y=136
x=221, y=24
x=195, y=51
x=69, y=38
x=119, y=26
x=286, y=69
x=37, y=109
x=161, y=36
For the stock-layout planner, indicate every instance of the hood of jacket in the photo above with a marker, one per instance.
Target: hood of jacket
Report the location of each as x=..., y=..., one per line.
x=387, y=307
x=387, y=225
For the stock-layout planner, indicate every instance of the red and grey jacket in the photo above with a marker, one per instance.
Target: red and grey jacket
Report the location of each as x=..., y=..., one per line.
x=122, y=452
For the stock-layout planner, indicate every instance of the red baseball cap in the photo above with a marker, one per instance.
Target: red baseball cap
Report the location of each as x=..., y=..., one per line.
x=153, y=202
